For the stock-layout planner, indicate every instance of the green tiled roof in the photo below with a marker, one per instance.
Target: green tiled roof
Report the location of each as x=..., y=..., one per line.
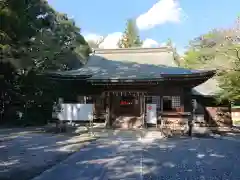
x=136, y=63
x=100, y=68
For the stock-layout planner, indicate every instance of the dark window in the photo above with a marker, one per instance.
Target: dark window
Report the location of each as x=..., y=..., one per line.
x=171, y=102
x=167, y=103
x=70, y=100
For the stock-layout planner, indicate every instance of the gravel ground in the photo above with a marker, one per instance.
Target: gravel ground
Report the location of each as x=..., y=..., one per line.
x=25, y=154
x=118, y=154
x=130, y=157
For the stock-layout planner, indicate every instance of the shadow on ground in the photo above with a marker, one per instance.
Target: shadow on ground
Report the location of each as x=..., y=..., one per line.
x=25, y=154
x=123, y=154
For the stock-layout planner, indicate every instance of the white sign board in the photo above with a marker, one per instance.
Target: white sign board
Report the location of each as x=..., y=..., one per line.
x=151, y=113
x=76, y=112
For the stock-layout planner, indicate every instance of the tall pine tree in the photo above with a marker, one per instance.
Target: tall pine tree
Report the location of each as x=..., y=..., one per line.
x=130, y=36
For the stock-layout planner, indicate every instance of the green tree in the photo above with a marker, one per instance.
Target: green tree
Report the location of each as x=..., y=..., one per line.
x=130, y=36
x=17, y=26
x=230, y=77
x=34, y=38
x=219, y=49
x=34, y=33
x=60, y=46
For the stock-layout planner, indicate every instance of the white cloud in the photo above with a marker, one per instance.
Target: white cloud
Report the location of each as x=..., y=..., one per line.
x=162, y=12
x=148, y=43
x=111, y=41
x=93, y=37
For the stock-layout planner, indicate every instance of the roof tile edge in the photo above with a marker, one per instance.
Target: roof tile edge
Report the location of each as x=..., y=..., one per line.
x=132, y=50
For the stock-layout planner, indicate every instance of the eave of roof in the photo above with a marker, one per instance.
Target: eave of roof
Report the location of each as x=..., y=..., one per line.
x=152, y=73
x=99, y=69
x=207, y=89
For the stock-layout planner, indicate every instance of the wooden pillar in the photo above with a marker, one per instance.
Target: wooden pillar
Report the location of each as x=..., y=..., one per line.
x=111, y=110
x=188, y=97
x=157, y=117
x=161, y=114
x=108, y=111
x=140, y=101
x=144, y=111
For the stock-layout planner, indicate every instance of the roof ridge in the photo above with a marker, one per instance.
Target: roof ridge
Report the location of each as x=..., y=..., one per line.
x=133, y=50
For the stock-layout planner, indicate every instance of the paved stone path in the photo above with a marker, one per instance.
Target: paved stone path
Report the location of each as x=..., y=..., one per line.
x=137, y=157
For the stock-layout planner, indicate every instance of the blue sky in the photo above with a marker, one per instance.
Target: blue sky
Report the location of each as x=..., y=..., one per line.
x=180, y=20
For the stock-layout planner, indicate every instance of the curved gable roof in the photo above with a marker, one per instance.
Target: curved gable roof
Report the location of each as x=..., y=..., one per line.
x=100, y=68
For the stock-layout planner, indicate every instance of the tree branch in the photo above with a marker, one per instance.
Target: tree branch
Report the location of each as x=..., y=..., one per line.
x=238, y=54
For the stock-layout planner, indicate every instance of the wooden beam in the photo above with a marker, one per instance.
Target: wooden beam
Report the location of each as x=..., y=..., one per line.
x=124, y=93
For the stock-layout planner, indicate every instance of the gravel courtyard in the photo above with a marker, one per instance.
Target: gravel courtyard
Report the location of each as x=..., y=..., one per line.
x=138, y=157
x=25, y=154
